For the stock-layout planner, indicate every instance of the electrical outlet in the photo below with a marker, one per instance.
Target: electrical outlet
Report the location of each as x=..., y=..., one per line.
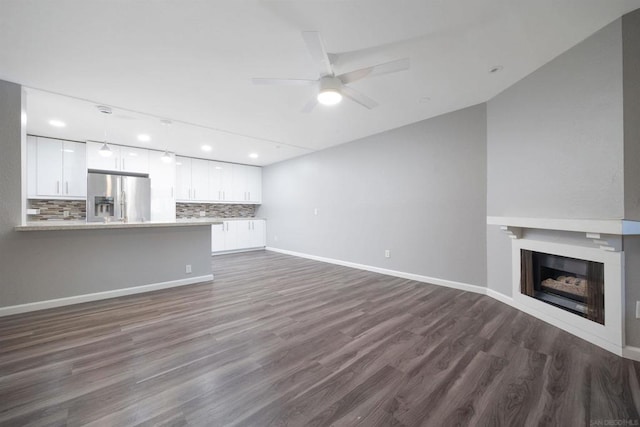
x=187, y=268
x=66, y=214
x=637, y=309
x=387, y=253
x=203, y=213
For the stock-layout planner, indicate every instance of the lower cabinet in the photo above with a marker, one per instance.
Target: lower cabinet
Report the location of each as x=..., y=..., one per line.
x=238, y=235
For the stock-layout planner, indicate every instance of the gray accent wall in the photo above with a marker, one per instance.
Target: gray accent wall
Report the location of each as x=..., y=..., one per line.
x=419, y=191
x=555, y=139
x=555, y=144
x=44, y=265
x=631, y=82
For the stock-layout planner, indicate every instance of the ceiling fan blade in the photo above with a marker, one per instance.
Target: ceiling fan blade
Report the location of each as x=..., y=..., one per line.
x=318, y=52
x=376, y=70
x=310, y=106
x=359, y=97
x=281, y=82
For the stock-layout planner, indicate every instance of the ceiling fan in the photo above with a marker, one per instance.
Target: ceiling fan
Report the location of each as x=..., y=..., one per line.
x=332, y=88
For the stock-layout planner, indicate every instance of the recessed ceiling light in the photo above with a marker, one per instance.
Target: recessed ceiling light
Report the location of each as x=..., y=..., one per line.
x=206, y=148
x=57, y=123
x=143, y=137
x=218, y=167
x=495, y=69
x=253, y=155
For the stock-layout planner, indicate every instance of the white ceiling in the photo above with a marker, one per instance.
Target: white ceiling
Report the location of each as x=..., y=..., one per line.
x=192, y=61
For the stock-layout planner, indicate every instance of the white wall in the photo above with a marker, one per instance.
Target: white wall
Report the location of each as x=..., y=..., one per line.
x=418, y=190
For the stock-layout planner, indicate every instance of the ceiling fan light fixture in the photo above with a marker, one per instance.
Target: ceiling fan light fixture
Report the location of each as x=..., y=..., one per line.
x=329, y=93
x=329, y=97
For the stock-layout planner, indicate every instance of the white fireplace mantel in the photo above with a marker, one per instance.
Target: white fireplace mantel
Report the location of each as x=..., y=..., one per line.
x=619, y=227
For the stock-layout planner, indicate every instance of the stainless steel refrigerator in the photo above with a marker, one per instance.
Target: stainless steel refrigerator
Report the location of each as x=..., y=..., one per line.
x=114, y=197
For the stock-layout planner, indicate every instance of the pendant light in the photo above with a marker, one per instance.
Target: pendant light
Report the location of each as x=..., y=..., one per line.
x=166, y=157
x=105, y=151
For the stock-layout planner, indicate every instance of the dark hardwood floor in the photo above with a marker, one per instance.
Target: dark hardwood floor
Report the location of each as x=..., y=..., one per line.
x=279, y=340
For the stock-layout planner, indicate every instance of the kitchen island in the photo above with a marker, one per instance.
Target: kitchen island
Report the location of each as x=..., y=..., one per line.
x=75, y=261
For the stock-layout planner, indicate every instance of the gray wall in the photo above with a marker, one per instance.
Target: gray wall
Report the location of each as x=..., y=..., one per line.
x=555, y=144
x=555, y=138
x=42, y=265
x=418, y=190
x=631, y=79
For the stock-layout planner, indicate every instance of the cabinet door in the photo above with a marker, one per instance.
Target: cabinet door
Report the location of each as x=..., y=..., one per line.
x=74, y=170
x=231, y=235
x=96, y=161
x=254, y=184
x=49, y=167
x=135, y=160
x=245, y=234
x=240, y=183
x=163, y=180
x=199, y=180
x=32, y=153
x=215, y=181
x=218, y=234
x=183, y=178
x=258, y=233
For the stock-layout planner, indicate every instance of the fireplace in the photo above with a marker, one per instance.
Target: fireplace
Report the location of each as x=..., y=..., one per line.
x=571, y=284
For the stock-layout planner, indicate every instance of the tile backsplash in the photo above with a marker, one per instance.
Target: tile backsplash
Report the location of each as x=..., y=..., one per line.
x=55, y=209
x=216, y=210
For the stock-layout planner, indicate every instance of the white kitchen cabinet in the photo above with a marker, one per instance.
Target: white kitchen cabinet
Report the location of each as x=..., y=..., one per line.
x=56, y=168
x=133, y=160
x=247, y=184
x=163, y=181
x=224, y=237
x=192, y=179
x=122, y=159
x=220, y=181
x=238, y=235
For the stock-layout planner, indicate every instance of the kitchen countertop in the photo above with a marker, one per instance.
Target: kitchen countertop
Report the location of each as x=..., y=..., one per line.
x=83, y=225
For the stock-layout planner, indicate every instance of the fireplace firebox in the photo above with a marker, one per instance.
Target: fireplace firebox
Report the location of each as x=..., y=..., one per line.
x=574, y=285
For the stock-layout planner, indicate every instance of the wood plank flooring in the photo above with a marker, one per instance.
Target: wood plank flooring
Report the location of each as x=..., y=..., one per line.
x=280, y=340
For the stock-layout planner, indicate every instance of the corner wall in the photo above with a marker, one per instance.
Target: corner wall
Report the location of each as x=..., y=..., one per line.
x=418, y=191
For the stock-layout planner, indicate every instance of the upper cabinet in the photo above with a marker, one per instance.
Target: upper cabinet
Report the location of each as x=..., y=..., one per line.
x=122, y=158
x=56, y=168
x=192, y=179
x=221, y=181
x=247, y=184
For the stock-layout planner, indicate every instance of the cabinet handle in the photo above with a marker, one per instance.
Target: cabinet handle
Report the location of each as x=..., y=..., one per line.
x=224, y=196
x=123, y=167
x=67, y=187
x=249, y=193
x=116, y=160
x=194, y=193
x=172, y=192
x=57, y=187
x=219, y=198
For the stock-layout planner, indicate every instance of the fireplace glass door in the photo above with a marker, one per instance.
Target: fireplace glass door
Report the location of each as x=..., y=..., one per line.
x=571, y=284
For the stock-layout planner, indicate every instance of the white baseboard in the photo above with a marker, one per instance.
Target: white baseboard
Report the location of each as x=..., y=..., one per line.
x=631, y=352
x=59, y=302
x=500, y=297
x=417, y=277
